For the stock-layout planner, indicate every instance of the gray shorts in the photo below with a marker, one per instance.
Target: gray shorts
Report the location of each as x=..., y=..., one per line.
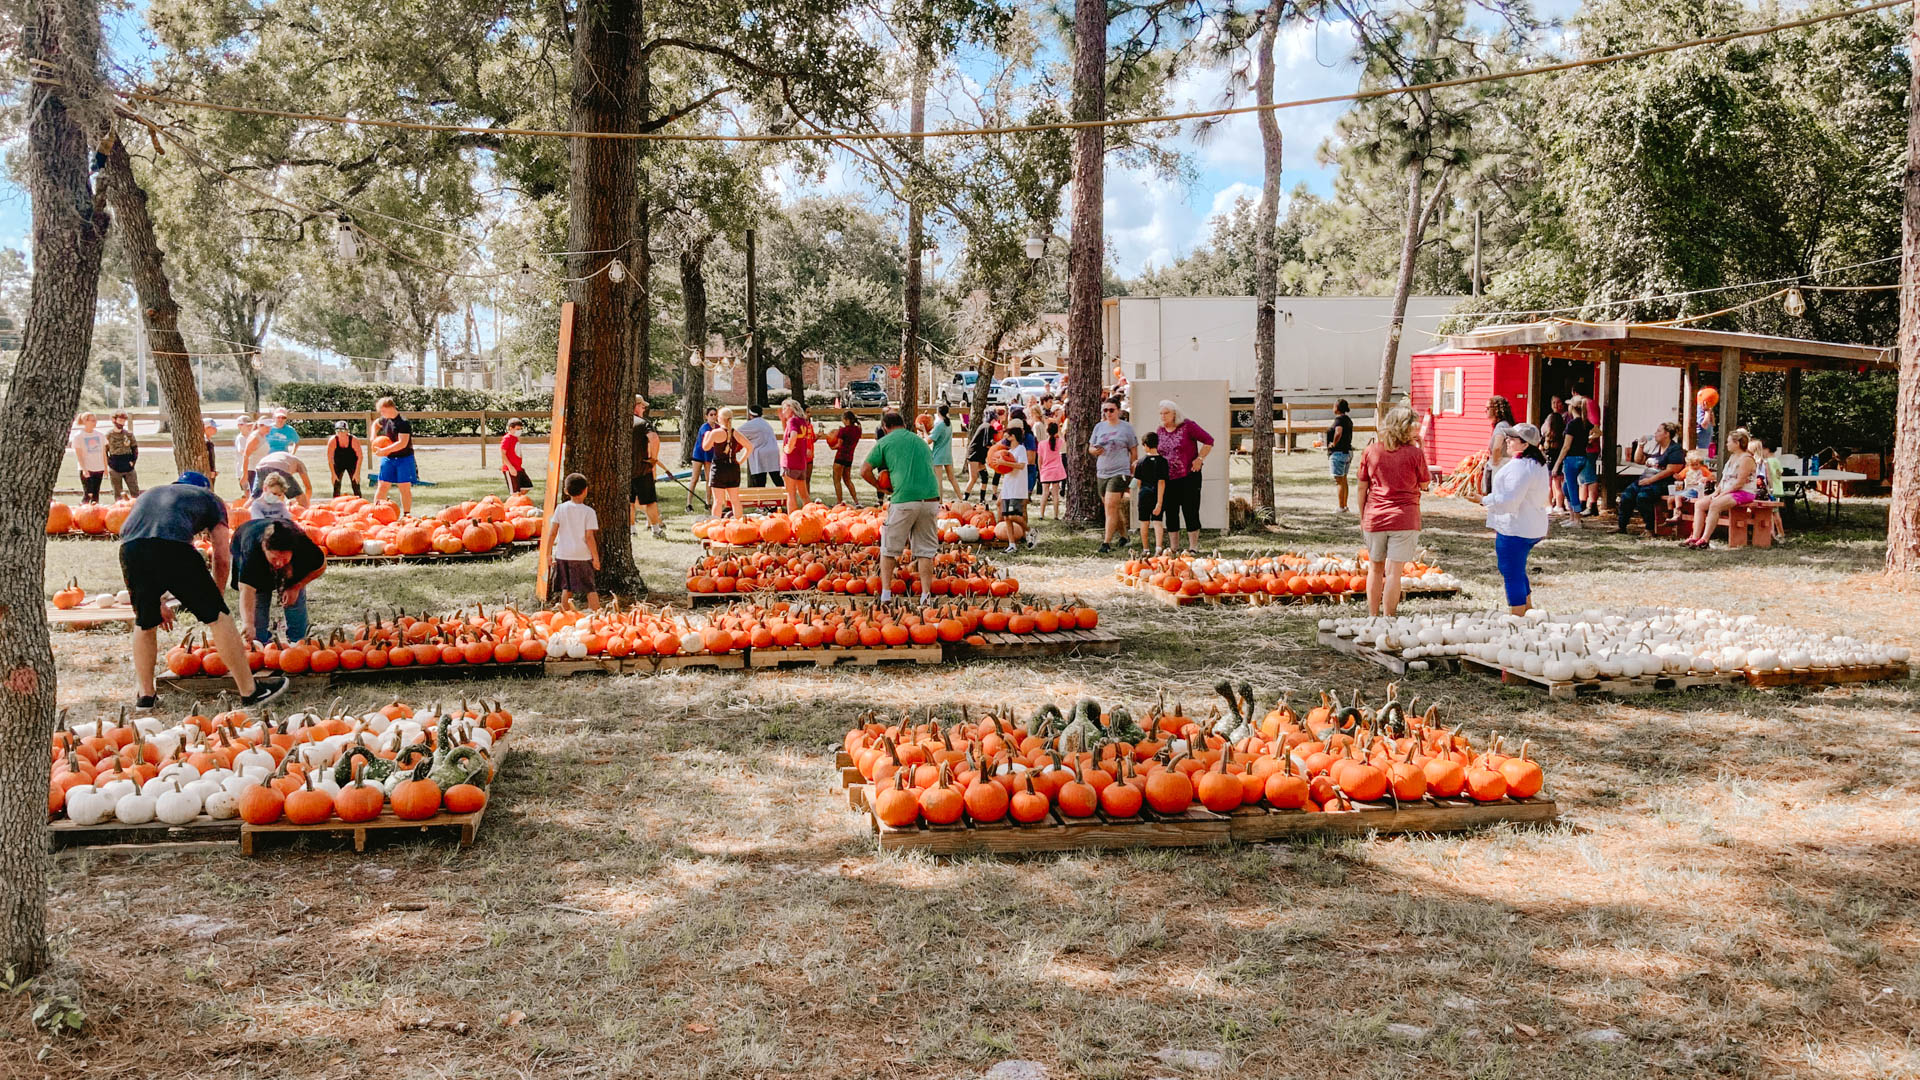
x=1115, y=485
x=1392, y=546
x=911, y=526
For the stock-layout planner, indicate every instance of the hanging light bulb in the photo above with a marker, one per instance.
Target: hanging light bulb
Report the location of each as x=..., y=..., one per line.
x=526, y=279
x=616, y=271
x=346, y=246
x=1794, y=303
x=1036, y=241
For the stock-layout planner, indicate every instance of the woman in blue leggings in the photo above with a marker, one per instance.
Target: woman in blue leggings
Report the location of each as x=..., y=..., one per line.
x=1517, y=511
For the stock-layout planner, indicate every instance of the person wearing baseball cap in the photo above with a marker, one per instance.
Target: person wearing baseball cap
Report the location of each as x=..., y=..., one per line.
x=343, y=457
x=1516, y=509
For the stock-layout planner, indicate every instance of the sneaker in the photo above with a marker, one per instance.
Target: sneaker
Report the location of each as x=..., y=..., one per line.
x=146, y=702
x=265, y=688
x=659, y=532
x=1106, y=549
x=1012, y=548
x=926, y=599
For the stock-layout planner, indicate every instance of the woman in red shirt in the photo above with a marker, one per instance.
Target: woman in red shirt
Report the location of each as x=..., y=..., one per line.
x=1393, y=473
x=844, y=440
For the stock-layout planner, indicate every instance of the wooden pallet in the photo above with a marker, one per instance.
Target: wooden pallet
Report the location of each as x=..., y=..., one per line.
x=202, y=832
x=1095, y=642
x=1262, y=599
x=79, y=617
x=499, y=552
x=1567, y=690
x=600, y=665
x=767, y=596
x=1891, y=672
x=833, y=656
x=466, y=825
x=1198, y=827
x=1392, y=661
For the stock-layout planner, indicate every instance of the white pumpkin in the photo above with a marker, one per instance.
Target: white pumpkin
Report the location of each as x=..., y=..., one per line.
x=222, y=805
x=134, y=809
x=87, y=805
x=115, y=790
x=373, y=547
x=253, y=758
x=177, y=807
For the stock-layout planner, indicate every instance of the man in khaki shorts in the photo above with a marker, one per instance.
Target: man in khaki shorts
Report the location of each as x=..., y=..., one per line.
x=902, y=466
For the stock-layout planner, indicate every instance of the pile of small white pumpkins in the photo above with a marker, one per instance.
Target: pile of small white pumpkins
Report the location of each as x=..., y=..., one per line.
x=146, y=769
x=1641, y=642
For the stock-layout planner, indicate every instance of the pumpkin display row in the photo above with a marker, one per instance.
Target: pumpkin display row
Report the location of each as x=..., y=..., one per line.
x=849, y=568
x=816, y=523
x=993, y=767
x=306, y=768
x=1282, y=574
x=876, y=625
x=1643, y=641
x=351, y=526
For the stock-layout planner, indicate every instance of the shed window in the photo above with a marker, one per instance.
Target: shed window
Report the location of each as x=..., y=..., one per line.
x=1446, y=391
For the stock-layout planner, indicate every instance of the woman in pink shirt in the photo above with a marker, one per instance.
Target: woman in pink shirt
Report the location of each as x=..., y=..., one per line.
x=1393, y=472
x=1053, y=469
x=796, y=454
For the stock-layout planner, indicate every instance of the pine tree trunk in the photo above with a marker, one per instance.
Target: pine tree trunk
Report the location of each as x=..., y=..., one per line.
x=693, y=293
x=1402, y=286
x=68, y=229
x=1903, y=515
x=1266, y=268
x=162, y=316
x=1085, y=255
x=916, y=241
x=600, y=200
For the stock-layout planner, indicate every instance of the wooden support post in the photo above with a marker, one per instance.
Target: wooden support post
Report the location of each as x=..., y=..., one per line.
x=1729, y=393
x=556, y=440
x=1790, y=414
x=1610, y=426
x=1286, y=438
x=1536, y=409
x=484, y=432
x=1689, y=431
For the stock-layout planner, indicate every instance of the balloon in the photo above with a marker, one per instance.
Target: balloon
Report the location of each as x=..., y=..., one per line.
x=1708, y=396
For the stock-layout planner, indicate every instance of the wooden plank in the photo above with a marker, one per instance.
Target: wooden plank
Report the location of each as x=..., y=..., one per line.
x=1095, y=642
x=81, y=616
x=1890, y=672
x=556, y=442
x=199, y=833
x=466, y=825
x=1602, y=687
x=1452, y=815
x=855, y=657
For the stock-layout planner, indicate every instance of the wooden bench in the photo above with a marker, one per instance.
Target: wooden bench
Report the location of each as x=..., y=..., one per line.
x=1749, y=525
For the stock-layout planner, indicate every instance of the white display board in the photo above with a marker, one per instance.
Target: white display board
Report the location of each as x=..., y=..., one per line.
x=1203, y=401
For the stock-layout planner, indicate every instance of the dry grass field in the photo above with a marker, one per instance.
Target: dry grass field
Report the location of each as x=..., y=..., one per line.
x=669, y=883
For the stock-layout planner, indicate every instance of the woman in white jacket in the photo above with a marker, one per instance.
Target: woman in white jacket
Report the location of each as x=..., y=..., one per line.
x=1517, y=511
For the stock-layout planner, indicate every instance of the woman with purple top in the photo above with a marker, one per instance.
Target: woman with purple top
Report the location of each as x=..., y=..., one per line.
x=1185, y=445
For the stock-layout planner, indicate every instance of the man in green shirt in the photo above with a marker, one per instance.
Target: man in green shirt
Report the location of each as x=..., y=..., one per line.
x=901, y=465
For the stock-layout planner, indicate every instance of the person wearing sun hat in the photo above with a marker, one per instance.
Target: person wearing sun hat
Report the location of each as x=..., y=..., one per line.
x=1517, y=511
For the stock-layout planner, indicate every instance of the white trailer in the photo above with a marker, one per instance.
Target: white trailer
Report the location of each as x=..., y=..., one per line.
x=1326, y=347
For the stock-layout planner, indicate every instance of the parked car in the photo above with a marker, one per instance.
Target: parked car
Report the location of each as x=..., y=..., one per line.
x=958, y=391
x=864, y=394
x=1020, y=387
x=1053, y=378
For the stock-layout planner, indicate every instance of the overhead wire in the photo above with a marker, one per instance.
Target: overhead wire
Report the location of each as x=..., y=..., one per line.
x=1015, y=129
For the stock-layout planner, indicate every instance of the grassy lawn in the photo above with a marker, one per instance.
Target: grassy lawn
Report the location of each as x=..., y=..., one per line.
x=669, y=883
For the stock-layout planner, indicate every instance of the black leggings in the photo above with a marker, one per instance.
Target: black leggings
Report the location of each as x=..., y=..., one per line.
x=346, y=465
x=90, y=486
x=1183, y=502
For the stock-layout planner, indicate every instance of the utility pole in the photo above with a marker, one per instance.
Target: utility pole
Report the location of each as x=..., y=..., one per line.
x=756, y=380
x=1476, y=252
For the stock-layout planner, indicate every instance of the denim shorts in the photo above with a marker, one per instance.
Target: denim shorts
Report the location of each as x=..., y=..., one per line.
x=1590, y=472
x=1338, y=461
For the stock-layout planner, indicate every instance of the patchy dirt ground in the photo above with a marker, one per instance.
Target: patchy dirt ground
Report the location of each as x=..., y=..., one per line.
x=669, y=883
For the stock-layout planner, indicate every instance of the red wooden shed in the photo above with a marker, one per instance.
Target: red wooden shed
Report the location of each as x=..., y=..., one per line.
x=1450, y=391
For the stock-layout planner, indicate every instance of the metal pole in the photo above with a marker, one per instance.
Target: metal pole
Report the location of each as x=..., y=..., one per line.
x=1476, y=253
x=755, y=380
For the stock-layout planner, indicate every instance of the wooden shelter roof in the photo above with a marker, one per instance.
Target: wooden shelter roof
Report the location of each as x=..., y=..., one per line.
x=1672, y=346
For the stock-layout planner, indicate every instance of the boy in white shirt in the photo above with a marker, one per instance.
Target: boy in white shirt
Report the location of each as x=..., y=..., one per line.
x=1013, y=486
x=576, y=545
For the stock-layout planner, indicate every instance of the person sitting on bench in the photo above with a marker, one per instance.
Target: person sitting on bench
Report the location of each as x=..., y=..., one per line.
x=1663, y=460
x=1737, y=479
